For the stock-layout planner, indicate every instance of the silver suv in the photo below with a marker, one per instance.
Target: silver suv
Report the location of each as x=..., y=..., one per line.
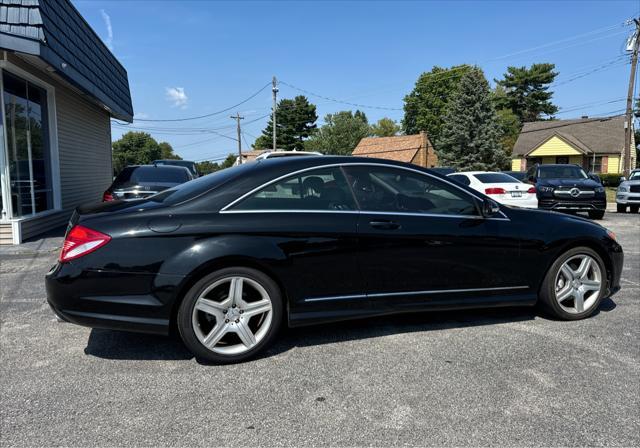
x=628, y=193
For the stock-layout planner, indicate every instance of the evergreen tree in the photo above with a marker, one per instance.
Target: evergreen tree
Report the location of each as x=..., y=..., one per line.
x=340, y=134
x=295, y=121
x=470, y=135
x=526, y=91
x=424, y=107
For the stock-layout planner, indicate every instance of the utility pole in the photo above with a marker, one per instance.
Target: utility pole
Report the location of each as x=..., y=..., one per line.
x=274, y=89
x=628, y=126
x=237, y=117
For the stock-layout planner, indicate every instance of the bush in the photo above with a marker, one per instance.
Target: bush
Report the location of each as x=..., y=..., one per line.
x=610, y=179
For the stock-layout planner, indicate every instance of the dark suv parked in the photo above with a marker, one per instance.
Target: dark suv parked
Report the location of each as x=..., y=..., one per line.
x=568, y=188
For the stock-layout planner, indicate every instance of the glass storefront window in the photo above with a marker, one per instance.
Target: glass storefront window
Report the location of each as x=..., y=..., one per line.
x=25, y=119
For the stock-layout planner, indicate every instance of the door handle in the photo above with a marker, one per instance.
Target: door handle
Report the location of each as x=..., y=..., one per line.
x=384, y=225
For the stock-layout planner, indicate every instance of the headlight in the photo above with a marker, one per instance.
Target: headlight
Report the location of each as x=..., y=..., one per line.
x=623, y=189
x=611, y=235
x=545, y=189
x=599, y=189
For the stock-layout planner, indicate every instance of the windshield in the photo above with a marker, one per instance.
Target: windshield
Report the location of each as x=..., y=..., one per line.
x=635, y=175
x=184, y=192
x=562, y=172
x=496, y=178
x=150, y=175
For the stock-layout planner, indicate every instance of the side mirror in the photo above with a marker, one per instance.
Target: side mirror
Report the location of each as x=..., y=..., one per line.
x=489, y=208
x=595, y=177
x=623, y=179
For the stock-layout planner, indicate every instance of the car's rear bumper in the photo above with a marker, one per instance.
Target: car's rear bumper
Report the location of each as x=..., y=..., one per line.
x=525, y=203
x=133, y=302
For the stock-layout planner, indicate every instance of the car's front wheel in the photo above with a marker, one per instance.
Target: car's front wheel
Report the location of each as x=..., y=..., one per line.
x=230, y=315
x=621, y=208
x=575, y=285
x=633, y=209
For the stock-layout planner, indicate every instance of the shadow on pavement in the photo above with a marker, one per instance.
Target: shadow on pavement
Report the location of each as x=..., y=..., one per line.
x=110, y=344
x=135, y=346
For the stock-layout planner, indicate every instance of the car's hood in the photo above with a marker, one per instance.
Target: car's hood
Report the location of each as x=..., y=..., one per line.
x=589, y=183
x=627, y=183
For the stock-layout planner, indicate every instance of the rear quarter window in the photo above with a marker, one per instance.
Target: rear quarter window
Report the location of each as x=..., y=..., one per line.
x=495, y=178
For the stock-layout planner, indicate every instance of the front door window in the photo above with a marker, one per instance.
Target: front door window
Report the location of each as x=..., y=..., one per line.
x=25, y=120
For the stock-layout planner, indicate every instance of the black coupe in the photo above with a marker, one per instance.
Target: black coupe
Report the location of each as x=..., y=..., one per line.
x=227, y=258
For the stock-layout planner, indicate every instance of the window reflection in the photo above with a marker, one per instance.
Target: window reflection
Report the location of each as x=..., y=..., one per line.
x=27, y=146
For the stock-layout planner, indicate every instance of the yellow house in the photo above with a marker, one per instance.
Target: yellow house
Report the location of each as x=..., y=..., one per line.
x=596, y=144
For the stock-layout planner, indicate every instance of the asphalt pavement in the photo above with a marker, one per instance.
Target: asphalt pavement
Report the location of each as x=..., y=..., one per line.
x=495, y=377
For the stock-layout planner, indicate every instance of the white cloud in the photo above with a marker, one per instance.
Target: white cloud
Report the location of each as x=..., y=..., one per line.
x=177, y=96
x=107, y=22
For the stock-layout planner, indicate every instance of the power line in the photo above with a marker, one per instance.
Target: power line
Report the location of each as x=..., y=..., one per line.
x=212, y=113
x=363, y=106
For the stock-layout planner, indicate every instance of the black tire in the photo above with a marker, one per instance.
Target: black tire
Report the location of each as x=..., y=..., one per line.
x=633, y=208
x=621, y=208
x=596, y=214
x=185, y=312
x=547, y=290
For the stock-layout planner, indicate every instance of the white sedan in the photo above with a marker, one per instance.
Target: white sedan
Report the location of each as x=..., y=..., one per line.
x=499, y=186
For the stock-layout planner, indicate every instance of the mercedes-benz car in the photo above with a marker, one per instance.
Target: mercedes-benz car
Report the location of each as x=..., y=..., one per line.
x=226, y=259
x=567, y=188
x=628, y=194
x=142, y=181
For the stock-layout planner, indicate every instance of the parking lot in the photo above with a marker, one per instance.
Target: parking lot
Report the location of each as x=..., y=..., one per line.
x=498, y=377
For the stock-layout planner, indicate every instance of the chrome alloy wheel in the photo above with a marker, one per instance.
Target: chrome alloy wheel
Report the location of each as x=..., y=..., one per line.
x=578, y=283
x=232, y=315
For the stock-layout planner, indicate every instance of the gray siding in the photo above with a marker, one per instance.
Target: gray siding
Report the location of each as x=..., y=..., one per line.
x=84, y=146
x=39, y=225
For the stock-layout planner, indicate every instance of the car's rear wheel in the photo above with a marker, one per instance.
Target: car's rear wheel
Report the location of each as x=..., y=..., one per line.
x=230, y=315
x=575, y=285
x=596, y=214
x=621, y=208
x=633, y=209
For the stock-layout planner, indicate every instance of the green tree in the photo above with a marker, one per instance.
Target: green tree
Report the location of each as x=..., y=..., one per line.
x=385, y=127
x=207, y=167
x=166, y=152
x=340, y=134
x=526, y=91
x=509, y=126
x=295, y=122
x=470, y=138
x=424, y=107
x=139, y=148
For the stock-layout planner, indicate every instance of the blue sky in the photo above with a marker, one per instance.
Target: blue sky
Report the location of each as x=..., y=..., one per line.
x=190, y=58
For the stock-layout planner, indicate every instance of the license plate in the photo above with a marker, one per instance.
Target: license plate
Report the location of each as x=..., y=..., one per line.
x=516, y=194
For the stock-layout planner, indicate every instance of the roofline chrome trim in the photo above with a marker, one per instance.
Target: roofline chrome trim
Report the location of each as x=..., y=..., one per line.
x=410, y=293
x=359, y=212
x=341, y=165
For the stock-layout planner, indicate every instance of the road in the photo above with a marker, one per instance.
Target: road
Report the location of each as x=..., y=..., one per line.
x=499, y=377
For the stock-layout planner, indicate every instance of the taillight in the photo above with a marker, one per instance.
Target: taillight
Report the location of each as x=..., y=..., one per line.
x=532, y=190
x=81, y=241
x=107, y=196
x=497, y=190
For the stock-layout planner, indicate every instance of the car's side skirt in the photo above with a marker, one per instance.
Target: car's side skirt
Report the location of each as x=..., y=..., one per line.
x=317, y=310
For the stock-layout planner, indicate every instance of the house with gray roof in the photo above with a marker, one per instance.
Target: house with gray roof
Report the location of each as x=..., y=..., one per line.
x=59, y=88
x=596, y=144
